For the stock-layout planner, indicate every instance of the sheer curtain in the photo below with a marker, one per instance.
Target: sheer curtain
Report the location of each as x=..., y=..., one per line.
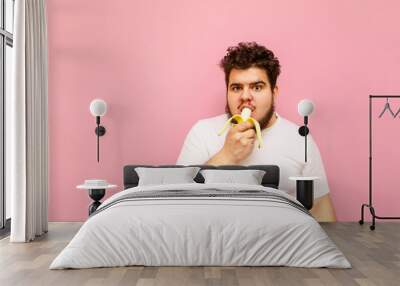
x=27, y=148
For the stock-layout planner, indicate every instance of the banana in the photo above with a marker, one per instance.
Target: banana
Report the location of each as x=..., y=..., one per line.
x=245, y=116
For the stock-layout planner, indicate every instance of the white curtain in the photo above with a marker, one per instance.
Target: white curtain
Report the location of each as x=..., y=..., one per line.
x=26, y=119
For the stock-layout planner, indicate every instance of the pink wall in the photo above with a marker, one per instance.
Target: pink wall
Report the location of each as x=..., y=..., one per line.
x=155, y=63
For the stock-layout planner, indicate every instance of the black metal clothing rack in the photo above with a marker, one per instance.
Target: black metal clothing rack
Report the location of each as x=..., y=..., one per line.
x=369, y=205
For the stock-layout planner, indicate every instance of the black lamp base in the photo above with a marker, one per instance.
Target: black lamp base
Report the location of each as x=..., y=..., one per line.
x=303, y=130
x=100, y=130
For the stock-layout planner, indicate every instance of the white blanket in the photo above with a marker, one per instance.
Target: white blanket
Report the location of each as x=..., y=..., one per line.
x=182, y=231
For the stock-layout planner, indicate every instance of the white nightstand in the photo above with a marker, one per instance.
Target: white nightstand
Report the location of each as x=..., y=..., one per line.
x=305, y=190
x=97, y=190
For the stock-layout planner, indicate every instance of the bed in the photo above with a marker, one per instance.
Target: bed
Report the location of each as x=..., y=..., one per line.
x=201, y=224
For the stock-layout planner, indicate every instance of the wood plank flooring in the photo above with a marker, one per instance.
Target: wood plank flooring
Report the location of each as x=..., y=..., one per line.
x=375, y=257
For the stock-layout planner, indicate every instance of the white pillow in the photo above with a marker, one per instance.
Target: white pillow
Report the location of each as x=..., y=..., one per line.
x=162, y=176
x=249, y=177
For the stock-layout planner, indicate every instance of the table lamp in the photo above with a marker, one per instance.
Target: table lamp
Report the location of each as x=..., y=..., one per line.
x=305, y=185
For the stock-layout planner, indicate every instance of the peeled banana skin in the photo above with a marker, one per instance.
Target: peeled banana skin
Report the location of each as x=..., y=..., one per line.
x=245, y=116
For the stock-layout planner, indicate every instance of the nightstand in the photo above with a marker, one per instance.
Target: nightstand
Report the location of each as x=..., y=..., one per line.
x=305, y=190
x=96, y=190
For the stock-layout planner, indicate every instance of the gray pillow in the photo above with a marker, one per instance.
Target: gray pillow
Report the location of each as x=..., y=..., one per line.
x=162, y=176
x=249, y=177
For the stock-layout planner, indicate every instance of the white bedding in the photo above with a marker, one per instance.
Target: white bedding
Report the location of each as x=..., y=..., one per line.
x=183, y=231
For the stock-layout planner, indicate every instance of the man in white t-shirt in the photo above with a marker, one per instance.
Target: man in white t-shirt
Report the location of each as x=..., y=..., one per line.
x=251, y=72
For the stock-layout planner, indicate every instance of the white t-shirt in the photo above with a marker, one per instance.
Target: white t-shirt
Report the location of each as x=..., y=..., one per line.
x=283, y=146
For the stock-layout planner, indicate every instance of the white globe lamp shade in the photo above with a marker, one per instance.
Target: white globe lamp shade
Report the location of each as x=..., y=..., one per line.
x=305, y=107
x=98, y=107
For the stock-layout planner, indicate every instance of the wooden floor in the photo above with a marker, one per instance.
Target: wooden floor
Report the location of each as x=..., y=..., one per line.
x=375, y=257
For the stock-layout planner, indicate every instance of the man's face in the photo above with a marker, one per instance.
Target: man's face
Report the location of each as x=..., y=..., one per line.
x=251, y=88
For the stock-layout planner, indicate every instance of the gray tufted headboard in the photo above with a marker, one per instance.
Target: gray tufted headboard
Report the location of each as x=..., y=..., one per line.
x=270, y=179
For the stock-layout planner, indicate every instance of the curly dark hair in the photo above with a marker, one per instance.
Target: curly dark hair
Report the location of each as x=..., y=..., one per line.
x=249, y=54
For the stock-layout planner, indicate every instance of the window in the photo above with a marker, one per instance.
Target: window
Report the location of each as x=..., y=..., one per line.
x=6, y=62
